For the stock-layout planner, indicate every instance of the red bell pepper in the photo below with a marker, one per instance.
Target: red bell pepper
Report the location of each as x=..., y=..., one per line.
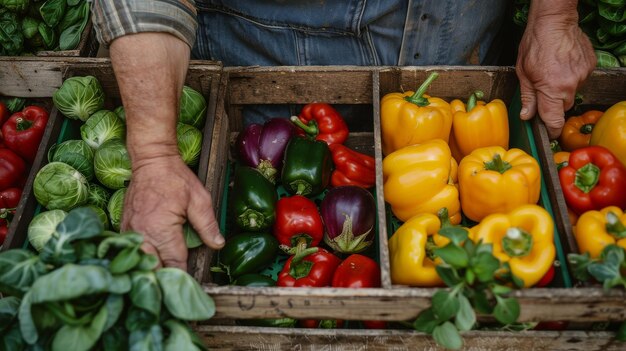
x=359, y=271
x=313, y=267
x=4, y=112
x=352, y=167
x=593, y=179
x=12, y=169
x=298, y=223
x=23, y=131
x=322, y=122
x=9, y=198
x=4, y=229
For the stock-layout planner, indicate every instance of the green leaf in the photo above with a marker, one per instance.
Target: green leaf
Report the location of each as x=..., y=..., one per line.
x=149, y=339
x=484, y=265
x=448, y=274
x=19, y=269
x=453, y=255
x=139, y=319
x=9, y=307
x=12, y=339
x=448, y=336
x=580, y=264
x=120, y=284
x=148, y=263
x=481, y=302
x=52, y=11
x=604, y=271
x=465, y=317
x=27, y=324
x=192, y=240
x=181, y=337
x=146, y=293
x=70, y=282
x=115, y=339
x=445, y=305
x=470, y=248
x=126, y=260
x=426, y=321
x=119, y=241
x=456, y=234
x=507, y=310
x=114, y=306
x=183, y=296
x=80, y=223
x=500, y=289
x=80, y=337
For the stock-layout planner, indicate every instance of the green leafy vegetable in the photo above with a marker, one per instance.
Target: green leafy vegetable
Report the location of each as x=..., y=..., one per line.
x=60, y=186
x=79, y=97
x=43, y=226
x=189, y=143
x=52, y=11
x=98, y=196
x=102, y=126
x=192, y=108
x=112, y=164
x=75, y=153
x=115, y=208
x=11, y=37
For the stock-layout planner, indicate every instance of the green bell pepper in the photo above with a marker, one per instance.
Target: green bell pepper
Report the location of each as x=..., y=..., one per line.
x=307, y=167
x=246, y=253
x=254, y=279
x=253, y=200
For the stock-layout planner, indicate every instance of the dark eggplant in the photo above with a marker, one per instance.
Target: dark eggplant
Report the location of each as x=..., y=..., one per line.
x=263, y=146
x=349, y=215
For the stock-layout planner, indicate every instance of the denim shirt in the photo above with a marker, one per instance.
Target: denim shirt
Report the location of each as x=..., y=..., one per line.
x=347, y=32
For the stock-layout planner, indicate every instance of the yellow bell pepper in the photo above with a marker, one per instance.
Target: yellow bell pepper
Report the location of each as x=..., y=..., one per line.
x=494, y=180
x=481, y=125
x=610, y=131
x=422, y=179
x=410, y=251
x=413, y=118
x=597, y=229
x=523, y=237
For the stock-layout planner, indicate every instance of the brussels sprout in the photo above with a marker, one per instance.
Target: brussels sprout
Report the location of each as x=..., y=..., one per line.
x=98, y=196
x=43, y=226
x=192, y=108
x=60, y=186
x=101, y=215
x=30, y=27
x=112, y=164
x=75, y=153
x=119, y=111
x=189, y=143
x=102, y=126
x=116, y=208
x=79, y=97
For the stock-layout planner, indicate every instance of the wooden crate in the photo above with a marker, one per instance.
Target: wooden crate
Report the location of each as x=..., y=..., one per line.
x=36, y=77
x=365, y=86
x=602, y=89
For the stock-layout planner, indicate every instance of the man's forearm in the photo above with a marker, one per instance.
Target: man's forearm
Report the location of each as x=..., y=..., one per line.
x=150, y=69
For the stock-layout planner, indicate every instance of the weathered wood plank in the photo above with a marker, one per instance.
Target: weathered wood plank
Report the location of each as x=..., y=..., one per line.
x=247, y=338
x=585, y=304
x=30, y=79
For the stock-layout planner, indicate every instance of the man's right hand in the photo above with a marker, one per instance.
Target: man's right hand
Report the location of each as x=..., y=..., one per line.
x=163, y=193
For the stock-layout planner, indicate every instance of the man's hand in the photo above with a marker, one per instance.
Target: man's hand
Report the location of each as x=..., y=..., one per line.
x=162, y=193
x=150, y=69
x=555, y=57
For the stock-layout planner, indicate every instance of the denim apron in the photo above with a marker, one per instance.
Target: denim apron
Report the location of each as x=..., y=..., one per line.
x=347, y=32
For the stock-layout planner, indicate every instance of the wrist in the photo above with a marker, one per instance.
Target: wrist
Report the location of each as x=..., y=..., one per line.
x=554, y=11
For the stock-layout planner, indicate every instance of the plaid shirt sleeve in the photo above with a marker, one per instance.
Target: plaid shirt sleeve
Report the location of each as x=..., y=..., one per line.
x=115, y=18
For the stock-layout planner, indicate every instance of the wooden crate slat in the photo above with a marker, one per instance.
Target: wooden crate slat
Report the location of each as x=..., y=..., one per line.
x=254, y=338
x=584, y=304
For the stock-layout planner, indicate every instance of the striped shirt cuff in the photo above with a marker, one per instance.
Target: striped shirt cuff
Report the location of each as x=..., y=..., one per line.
x=114, y=18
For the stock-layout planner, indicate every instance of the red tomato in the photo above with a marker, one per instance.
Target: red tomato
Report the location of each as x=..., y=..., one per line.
x=357, y=271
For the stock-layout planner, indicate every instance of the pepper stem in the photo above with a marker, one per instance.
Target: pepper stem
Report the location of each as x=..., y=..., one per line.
x=301, y=187
x=299, y=243
x=517, y=242
x=267, y=170
x=498, y=164
x=251, y=219
x=22, y=124
x=310, y=129
x=614, y=226
x=299, y=268
x=587, y=128
x=471, y=102
x=418, y=97
x=587, y=177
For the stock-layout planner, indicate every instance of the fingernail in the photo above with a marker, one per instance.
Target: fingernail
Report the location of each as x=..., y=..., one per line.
x=219, y=241
x=523, y=112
